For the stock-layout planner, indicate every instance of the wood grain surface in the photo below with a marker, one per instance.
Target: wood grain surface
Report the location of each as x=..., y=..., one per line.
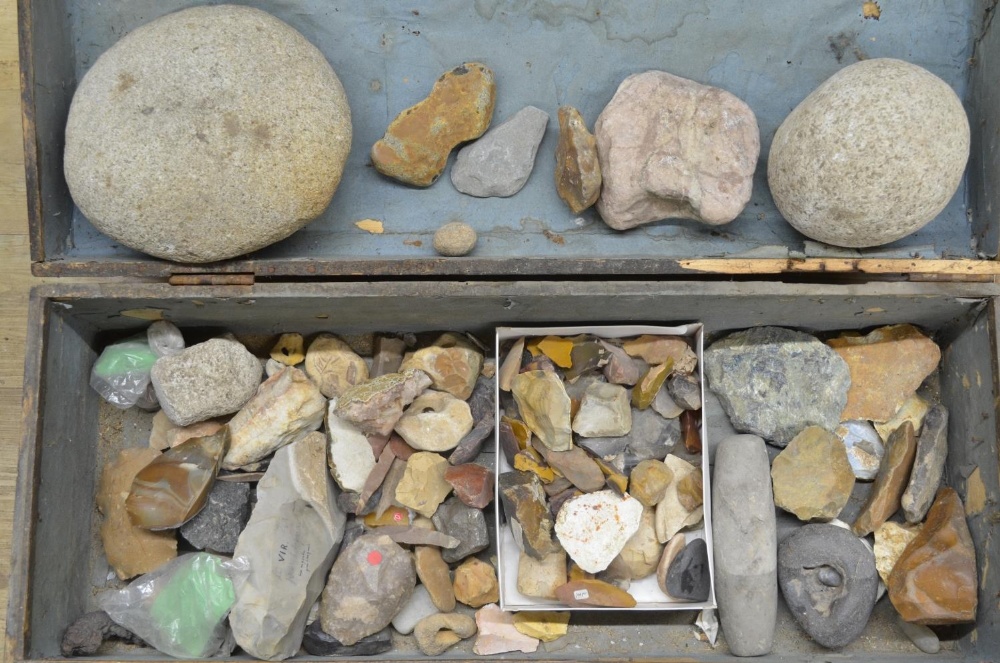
x=15, y=281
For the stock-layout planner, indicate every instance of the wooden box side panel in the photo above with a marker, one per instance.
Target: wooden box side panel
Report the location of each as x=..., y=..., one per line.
x=983, y=104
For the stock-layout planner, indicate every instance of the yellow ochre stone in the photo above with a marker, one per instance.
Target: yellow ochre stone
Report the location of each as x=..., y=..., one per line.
x=546, y=626
x=558, y=349
x=644, y=393
x=415, y=147
x=289, y=350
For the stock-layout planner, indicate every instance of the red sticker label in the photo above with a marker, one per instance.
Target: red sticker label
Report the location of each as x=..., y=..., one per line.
x=397, y=516
x=374, y=558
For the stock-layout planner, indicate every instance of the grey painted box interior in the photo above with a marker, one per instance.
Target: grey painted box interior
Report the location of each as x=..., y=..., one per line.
x=771, y=54
x=68, y=433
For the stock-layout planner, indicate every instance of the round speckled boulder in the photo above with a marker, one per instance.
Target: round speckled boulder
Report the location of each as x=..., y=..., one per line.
x=455, y=239
x=207, y=134
x=872, y=155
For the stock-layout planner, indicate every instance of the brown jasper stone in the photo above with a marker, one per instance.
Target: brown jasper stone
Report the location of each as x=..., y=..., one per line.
x=690, y=490
x=934, y=581
x=433, y=573
x=893, y=475
x=476, y=583
x=578, y=172
x=658, y=349
x=580, y=593
x=415, y=147
x=689, y=431
x=650, y=479
x=400, y=449
x=471, y=483
x=130, y=550
x=887, y=366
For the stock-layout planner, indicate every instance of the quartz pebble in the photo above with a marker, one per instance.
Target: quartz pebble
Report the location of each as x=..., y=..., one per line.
x=894, y=471
x=774, y=382
x=497, y=634
x=464, y=523
x=130, y=550
x=455, y=239
x=593, y=528
x=206, y=380
x=471, y=483
x=935, y=580
x=415, y=147
x=499, y=163
x=541, y=577
x=438, y=633
x=286, y=407
x=864, y=448
x=604, y=411
x=833, y=614
x=673, y=148
x=541, y=397
x=812, y=476
x=928, y=465
x=452, y=363
x=370, y=582
x=289, y=349
x=882, y=188
x=745, y=545
x=295, y=522
x=476, y=583
x=435, y=421
x=334, y=366
x=887, y=366
x=418, y=606
x=423, y=487
x=578, y=170
x=376, y=405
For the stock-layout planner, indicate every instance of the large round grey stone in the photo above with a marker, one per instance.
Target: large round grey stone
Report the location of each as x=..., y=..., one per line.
x=872, y=155
x=207, y=134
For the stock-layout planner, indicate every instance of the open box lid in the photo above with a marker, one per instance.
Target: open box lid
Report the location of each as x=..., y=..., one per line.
x=771, y=55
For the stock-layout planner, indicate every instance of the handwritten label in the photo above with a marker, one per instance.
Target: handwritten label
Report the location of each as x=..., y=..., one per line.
x=581, y=595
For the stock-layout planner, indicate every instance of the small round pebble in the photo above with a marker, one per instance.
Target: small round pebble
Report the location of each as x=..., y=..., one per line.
x=455, y=239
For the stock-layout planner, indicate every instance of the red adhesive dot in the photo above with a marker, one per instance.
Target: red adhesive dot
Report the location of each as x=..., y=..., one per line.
x=374, y=558
x=397, y=516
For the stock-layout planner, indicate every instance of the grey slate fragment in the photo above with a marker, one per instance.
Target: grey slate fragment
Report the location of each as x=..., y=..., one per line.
x=928, y=468
x=833, y=616
x=685, y=390
x=483, y=409
x=774, y=382
x=499, y=163
x=217, y=527
x=464, y=523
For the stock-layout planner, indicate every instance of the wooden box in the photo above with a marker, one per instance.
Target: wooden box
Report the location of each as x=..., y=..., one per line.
x=68, y=433
x=770, y=54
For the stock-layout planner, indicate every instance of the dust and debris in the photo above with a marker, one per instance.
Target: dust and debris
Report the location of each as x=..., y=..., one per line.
x=373, y=226
x=871, y=10
x=375, y=85
x=875, y=309
x=413, y=242
x=965, y=382
x=555, y=238
x=143, y=313
x=844, y=43
x=975, y=494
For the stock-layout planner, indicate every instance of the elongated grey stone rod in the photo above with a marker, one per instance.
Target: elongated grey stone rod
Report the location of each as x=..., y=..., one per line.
x=745, y=545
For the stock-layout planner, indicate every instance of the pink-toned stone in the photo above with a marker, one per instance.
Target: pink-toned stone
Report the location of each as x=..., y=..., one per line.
x=497, y=634
x=673, y=148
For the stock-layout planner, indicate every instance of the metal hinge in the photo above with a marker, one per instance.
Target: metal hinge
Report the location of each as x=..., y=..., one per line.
x=212, y=279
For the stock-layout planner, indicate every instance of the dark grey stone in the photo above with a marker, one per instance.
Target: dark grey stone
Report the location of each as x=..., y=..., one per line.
x=85, y=636
x=482, y=407
x=352, y=531
x=348, y=502
x=688, y=577
x=745, y=545
x=499, y=163
x=217, y=527
x=833, y=615
x=774, y=382
x=685, y=390
x=928, y=468
x=651, y=437
x=319, y=643
x=466, y=524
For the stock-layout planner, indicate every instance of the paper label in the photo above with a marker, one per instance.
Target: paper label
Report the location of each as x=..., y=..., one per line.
x=581, y=595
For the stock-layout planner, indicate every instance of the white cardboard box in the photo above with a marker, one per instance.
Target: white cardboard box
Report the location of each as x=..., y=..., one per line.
x=646, y=591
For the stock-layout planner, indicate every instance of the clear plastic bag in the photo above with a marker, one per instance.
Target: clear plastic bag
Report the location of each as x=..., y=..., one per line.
x=181, y=608
x=165, y=339
x=121, y=374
